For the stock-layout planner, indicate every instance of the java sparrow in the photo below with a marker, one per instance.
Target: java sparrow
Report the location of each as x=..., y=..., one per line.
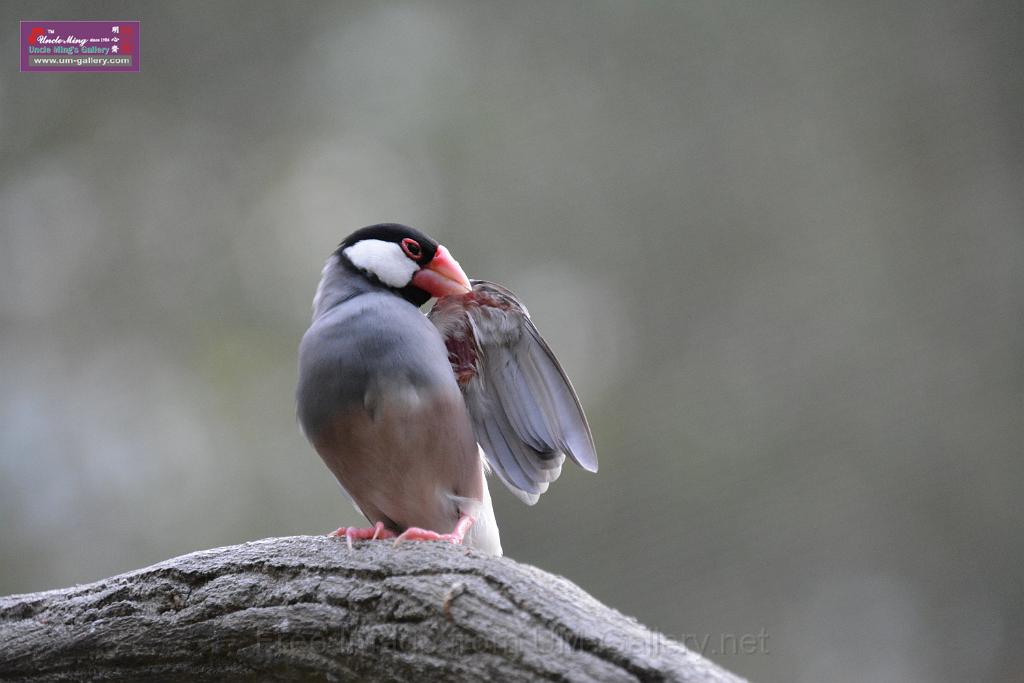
x=396, y=402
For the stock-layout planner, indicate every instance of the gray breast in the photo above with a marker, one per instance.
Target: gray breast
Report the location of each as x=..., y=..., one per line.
x=371, y=343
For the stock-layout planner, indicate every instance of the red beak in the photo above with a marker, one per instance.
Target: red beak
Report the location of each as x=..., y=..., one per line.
x=443, y=276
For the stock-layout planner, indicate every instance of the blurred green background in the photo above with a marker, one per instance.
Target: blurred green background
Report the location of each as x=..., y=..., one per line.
x=778, y=247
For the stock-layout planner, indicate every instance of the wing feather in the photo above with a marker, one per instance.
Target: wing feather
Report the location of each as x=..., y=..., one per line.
x=526, y=415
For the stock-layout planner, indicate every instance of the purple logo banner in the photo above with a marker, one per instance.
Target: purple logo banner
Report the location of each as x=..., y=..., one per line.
x=79, y=46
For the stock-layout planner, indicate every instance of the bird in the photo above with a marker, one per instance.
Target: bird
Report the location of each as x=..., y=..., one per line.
x=411, y=411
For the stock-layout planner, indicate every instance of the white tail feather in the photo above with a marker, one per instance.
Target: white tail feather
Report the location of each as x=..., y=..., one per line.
x=483, y=535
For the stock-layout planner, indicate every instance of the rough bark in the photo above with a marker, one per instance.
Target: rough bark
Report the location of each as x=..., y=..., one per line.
x=308, y=607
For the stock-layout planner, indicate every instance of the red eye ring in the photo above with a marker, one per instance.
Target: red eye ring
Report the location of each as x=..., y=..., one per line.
x=412, y=248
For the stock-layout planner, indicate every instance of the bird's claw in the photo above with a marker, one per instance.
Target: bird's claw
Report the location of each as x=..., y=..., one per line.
x=415, y=533
x=351, y=533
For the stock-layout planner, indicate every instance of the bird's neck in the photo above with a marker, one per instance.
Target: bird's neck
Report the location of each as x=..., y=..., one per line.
x=339, y=283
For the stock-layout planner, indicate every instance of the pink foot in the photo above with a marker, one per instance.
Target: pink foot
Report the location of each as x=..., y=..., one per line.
x=352, y=533
x=414, y=533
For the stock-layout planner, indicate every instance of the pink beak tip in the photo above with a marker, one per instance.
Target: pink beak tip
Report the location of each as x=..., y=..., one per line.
x=443, y=276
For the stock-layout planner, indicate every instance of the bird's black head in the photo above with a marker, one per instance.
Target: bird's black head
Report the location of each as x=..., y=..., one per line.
x=405, y=260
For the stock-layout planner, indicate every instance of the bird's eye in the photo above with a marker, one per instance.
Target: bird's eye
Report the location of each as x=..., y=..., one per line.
x=412, y=248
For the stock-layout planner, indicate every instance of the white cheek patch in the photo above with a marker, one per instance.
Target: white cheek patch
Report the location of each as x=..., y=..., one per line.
x=385, y=260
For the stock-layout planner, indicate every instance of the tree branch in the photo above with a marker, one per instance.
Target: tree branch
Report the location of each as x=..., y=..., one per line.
x=307, y=607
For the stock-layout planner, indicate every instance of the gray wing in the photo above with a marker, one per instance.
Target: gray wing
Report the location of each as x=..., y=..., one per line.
x=526, y=415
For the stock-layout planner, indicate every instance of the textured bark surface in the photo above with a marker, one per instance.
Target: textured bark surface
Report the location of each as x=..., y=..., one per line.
x=307, y=607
